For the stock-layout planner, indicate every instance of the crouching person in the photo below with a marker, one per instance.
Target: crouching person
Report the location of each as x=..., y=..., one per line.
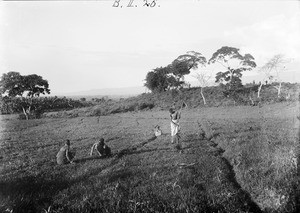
x=157, y=131
x=101, y=148
x=64, y=155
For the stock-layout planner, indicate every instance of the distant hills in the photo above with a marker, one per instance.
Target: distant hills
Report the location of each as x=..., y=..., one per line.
x=116, y=93
x=108, y=92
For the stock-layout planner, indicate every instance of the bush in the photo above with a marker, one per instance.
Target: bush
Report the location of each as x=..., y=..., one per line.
x=145, y=106
x=36, y=114
x=96, y=112
x=39, y=105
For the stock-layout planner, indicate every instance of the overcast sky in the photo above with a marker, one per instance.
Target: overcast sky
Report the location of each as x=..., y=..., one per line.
x=83, y=45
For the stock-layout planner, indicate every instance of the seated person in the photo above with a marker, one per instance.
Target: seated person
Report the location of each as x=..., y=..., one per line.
x=64, y=155
x=101, y=148
x=157, y=131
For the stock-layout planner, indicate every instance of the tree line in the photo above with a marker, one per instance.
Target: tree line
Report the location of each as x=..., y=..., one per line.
x=233, y=64
x=172, y=75
x=21, y=93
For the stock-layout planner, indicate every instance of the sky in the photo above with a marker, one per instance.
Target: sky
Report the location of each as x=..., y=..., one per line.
x=85, y=45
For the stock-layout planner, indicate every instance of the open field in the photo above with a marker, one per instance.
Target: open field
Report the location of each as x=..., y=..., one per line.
x=234, y=159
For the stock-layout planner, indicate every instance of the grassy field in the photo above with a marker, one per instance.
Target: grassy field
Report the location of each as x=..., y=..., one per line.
x=234, y=159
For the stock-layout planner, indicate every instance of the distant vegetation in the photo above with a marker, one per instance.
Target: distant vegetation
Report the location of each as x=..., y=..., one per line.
x=21, y=94
x=26, y=87
x=172, y=75
x=215, y=96
x=39, y=105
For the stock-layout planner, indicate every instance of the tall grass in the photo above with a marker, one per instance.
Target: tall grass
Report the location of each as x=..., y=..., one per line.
x=264, y=158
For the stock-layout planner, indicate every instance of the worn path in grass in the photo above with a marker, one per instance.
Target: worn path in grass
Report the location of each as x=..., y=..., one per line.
x=31, y=179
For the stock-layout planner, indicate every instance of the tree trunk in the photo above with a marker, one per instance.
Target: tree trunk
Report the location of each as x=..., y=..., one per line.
x=230, y=81
x=25, y=113
x=201, y=92
x=278, y=89
x=259, y=90
x=252, y=102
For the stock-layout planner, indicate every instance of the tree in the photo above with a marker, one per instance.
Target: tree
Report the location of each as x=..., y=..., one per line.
x=12, y=84
x=159, y=79
x=203, y=79
x=35, y=85
x=234, y=63
x=183, y=64
x=272, y=70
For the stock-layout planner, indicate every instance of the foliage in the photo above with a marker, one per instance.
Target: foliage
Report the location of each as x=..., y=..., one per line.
x=159, y=79
x=220, y=96
x=12, y=85
x=275, y=65
x=171, y=76
x=184, y=63
x=224, y=56
x=39, y=105
x=272, y=70
x=216, y=96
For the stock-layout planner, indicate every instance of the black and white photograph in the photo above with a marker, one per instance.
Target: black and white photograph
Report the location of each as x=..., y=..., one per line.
x=188, y=106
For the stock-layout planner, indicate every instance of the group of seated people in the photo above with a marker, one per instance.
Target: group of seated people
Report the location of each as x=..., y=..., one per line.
x=65, y=156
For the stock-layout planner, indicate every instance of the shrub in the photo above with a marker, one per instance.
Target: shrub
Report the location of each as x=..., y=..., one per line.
x=145, y=106
x=96, y=112
x=41, y=104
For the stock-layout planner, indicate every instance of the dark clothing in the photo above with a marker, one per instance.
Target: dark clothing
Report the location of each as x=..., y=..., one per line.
x=61, y=157
x=103, y=149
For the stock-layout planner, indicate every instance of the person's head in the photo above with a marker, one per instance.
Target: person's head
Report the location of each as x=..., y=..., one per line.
x=68, y=142
x=101, y=141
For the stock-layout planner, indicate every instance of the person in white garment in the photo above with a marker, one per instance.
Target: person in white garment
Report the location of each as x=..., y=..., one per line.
x=175, y=127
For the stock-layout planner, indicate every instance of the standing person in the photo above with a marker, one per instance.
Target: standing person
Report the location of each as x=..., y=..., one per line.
x=175, y=128
x=101, y=148
x=64, y=155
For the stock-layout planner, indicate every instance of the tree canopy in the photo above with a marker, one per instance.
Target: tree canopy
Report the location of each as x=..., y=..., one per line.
x=13, y=84
x=159, y=79
x=234, y=63
x=273, y=68
x=171, y=76
x=183, y=64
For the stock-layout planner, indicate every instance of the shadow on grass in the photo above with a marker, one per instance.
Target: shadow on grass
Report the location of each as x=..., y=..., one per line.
x=131, y=151
x=243, y=195
x=83, y=160
x=149, y=150
x=31, y=193
x=36, y=193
